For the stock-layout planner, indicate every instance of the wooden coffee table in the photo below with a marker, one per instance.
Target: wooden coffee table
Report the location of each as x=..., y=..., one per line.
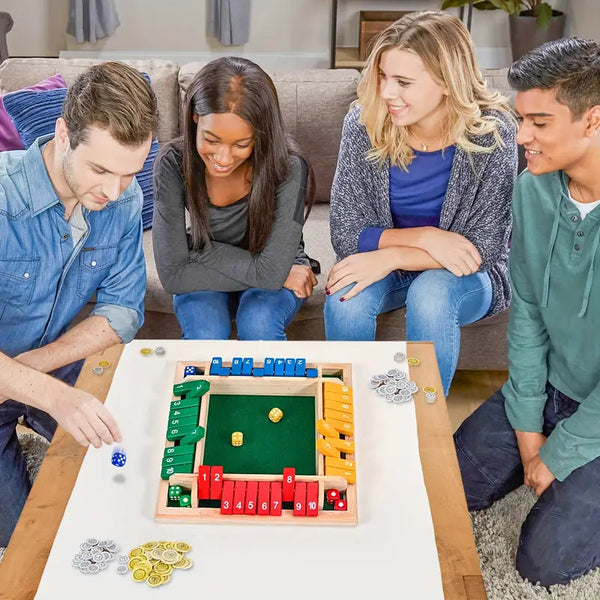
x=26, y=556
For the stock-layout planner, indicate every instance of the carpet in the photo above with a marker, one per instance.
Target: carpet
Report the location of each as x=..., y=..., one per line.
x=496, y=532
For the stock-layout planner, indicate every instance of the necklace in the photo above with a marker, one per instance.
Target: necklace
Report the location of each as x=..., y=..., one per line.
x=423, y=145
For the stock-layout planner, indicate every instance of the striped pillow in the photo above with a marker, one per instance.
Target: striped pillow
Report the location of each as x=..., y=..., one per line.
x=34, y=114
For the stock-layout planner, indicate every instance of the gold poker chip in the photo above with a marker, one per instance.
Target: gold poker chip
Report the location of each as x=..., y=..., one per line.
x=104, y=364
x=413, y=362
x=154, y=579
x=163, y=569
x=171, y=557
x=184, y=563
x=429, y=389
x=146, y=351
x=182, y=547
x=135, y=552
x=140, y=574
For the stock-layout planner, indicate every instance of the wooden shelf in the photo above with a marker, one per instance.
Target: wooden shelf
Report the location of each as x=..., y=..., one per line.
x=347, y=58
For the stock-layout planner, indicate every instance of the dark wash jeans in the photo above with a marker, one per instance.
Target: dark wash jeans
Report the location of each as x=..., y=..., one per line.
x=560, y=539
x=14, y=481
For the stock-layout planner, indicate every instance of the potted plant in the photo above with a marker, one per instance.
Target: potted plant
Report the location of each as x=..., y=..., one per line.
x=531, y=22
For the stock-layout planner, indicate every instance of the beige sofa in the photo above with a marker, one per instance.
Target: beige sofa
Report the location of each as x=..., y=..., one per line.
x=313, y=103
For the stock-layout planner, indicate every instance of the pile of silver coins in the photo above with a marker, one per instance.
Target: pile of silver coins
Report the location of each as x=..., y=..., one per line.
x=94, y=556
x=394, y=385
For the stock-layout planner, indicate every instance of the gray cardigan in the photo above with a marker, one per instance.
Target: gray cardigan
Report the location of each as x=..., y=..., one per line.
x=477, y=203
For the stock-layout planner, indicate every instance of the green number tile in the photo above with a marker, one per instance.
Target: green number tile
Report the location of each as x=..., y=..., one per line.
x=185, y=403
x=166, y=472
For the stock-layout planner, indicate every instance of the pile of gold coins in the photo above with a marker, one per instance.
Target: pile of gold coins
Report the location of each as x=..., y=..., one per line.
x=154, y=562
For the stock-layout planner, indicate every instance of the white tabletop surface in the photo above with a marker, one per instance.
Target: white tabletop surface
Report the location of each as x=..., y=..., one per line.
x=390, y=554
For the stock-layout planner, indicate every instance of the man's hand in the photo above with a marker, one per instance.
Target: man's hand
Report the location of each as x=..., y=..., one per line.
x=362, y=269
x=538, y=475
x=529, y=447
x=452, y=250
x=301, y=281
x=83, y=416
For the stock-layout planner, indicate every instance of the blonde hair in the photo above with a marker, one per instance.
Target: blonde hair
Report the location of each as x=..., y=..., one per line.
x=444, y=45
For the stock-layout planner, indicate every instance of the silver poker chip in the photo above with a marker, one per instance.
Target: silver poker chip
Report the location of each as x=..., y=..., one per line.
x=399, y=357
x=123, y=559
x=97, y=370
x=393, y=372
x=91, y=541
x=159, y=351
x=122, y=569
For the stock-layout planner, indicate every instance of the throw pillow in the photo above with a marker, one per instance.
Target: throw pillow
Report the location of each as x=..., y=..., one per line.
x=9, y=136
x=34, y=114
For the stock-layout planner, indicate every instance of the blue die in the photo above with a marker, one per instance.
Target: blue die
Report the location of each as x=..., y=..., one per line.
x=189, y=370
x=119, y=457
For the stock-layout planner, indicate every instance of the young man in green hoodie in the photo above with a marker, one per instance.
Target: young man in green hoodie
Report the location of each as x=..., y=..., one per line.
x=543, y=428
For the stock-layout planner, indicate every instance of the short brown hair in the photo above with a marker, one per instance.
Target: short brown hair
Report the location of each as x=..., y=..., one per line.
x=113, y=96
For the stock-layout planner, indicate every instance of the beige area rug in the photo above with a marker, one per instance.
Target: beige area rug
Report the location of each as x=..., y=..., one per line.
x=496, y=534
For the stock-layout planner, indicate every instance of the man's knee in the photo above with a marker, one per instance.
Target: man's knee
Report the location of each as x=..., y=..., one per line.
x=543, y=564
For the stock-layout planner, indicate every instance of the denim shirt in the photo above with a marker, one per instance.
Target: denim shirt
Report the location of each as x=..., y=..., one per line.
x=44, y=280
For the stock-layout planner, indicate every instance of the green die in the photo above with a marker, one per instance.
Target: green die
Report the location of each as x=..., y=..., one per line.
x=185, y=501
x=174, y=492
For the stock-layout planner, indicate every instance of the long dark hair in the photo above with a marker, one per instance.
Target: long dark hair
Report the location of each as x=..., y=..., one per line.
x=237, y=85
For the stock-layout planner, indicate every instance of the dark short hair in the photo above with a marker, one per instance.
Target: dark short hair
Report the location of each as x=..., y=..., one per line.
x=570, y=66
x=113, y=96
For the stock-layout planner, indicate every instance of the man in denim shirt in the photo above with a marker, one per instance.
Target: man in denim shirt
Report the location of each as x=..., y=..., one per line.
x=70, y=223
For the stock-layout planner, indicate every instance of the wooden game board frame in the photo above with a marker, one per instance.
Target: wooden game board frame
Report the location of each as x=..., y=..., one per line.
x=274, y=386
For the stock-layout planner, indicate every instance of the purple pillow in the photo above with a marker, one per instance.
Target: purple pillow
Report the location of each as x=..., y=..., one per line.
x=9, y=136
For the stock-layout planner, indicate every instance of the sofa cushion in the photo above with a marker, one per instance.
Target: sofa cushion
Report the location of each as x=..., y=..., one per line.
x=313, y=105
x=9, y=136
x=34, y=114
x=17, y=73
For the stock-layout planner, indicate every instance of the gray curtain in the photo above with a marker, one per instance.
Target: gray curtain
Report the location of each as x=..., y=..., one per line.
x=90, y=20
x=229, y=20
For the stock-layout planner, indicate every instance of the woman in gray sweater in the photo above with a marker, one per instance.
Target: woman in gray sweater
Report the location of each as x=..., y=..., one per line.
x=242, y=185
x=420, y=204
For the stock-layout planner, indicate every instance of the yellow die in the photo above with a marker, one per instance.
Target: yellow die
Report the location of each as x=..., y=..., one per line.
x=237, y=438
x=275, y=415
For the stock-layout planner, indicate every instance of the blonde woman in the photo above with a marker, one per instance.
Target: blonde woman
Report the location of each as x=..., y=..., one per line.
x=420, y=205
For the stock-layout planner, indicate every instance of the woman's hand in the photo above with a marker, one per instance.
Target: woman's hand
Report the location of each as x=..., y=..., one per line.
x=362, y=269
x=301, y=281
x=453, y=251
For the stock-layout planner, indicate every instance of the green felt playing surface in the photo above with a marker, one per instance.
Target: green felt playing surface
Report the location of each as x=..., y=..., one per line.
x=268, y=447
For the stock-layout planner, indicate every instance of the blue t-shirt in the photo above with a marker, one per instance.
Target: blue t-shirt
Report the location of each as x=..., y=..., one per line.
x=416, y=196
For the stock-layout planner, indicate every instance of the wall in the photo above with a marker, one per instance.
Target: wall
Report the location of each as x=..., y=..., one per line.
x=39, y=28
x=285, y=27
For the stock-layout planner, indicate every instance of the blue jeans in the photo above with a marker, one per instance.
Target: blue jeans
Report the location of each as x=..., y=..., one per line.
x=14, y=481
x=437, y=304
x=259, y=314
x=560, y=539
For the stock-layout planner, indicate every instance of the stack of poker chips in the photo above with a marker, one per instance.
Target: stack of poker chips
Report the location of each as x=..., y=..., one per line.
x=394, y=386
x=154, y=562
x=94, y=555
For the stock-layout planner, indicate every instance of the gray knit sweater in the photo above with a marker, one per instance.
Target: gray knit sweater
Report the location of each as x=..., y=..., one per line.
x=477, y=202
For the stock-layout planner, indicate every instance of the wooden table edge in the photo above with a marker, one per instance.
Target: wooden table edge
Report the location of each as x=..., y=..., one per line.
x=459, y=561
x=20, y=573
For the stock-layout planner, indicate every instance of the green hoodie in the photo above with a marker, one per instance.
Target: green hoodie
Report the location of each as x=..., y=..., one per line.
x=554, y=318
